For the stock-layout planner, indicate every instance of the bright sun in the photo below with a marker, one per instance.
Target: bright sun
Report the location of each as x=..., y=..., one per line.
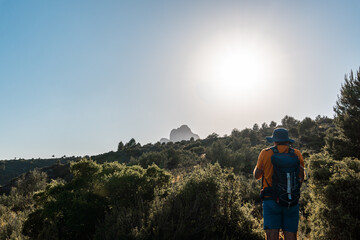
x=235, y=69
x=232, y=68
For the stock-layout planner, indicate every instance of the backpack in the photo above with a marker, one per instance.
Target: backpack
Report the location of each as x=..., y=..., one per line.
x=286, y=184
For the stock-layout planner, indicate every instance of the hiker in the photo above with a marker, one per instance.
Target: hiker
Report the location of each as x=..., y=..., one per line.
x=282, y=171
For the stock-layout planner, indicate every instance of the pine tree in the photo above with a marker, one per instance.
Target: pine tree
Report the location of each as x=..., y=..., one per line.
x=120, y=146
x=345, y=140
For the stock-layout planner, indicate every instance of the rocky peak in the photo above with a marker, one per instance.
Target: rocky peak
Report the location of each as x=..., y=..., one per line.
x=180, y=134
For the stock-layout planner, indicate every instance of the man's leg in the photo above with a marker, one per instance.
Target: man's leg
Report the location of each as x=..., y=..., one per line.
x=290, y=235
x=272, y=213
x=291, y=222
x=272, y=234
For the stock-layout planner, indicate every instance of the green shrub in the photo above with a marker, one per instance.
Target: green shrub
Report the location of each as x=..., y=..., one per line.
x=15, y=207
x=148, y=159
x=11, y=224
x=206, y=206
x=335, y=196
x=130, y=193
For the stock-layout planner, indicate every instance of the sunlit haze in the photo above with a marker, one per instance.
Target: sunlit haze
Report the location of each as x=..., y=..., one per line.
x=78, y=77
x=232, y=68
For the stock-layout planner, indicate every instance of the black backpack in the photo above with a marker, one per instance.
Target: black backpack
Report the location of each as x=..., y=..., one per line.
x=286, y=183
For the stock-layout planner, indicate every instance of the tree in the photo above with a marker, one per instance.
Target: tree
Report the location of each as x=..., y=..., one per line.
x=120, y=146
x=272, y=124
x=306, y=125
x=212, y=136
x=311, y=134
x=31, y=182
x=131, y=143
x=148, y=159
x=265, y=130
x=347, y=120
x=219, y=153
x=291, y=124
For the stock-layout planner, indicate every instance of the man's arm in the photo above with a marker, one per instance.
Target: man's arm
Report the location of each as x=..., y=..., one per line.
x=258, y=173
x=302, y=169
x=259, y=168
x=301, y=174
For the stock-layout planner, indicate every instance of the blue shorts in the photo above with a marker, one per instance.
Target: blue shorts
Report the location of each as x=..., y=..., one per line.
x=280, y=217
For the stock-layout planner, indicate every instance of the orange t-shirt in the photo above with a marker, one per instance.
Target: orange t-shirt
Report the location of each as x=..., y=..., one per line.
x=264, y=162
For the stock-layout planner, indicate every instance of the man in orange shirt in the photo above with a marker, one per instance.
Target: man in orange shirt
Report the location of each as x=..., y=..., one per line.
x=276, y=216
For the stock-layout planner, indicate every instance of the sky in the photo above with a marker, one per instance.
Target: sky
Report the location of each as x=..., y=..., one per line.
x=78, y=77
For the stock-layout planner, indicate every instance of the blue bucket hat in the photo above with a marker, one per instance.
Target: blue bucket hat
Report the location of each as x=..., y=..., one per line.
x=280, y=135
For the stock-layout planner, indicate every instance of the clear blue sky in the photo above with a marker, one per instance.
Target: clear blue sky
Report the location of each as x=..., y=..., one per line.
x=77, y=77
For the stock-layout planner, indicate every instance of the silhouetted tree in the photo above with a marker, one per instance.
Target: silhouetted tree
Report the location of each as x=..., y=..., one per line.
x=213, y=136
x=120, y=146
x=291, y=124
x=131, y=143
x=310, y=135
x=272, y=124
x=345, y=141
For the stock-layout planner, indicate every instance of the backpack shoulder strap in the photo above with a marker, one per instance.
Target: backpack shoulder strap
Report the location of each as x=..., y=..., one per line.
x=262, y=182
x=291, y=150
x=274, y=149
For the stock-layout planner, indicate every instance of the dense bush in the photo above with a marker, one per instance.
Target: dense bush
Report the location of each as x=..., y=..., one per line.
x=11, y=223
x=15, y=207
x=334, y=198
x=74, y=210
x=207, y=205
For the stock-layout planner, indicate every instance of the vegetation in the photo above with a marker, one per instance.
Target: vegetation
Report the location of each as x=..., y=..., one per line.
x=200, y=189
x=334, y=197
x=10, y=169
x=344, y=140
x=15, y=207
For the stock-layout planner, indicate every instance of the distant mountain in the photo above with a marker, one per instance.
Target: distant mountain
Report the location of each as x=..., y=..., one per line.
x=180, y=134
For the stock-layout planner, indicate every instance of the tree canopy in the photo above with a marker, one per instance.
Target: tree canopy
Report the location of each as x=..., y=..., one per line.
x=344, y=141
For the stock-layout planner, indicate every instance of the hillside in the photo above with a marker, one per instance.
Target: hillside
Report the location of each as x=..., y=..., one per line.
x=188, y=189
x=308, y=133
x=10, y=169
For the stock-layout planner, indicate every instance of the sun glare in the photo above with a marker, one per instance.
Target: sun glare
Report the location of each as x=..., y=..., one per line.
x=233, y=68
